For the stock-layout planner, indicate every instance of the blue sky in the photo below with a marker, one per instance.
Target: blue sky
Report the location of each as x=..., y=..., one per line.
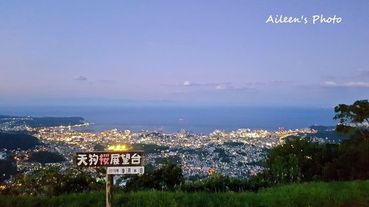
x=182, y=52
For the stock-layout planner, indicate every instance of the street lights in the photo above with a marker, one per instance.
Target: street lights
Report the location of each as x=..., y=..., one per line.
x=118, y=147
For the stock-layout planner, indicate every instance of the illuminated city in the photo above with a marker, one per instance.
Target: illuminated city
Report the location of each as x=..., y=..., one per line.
x=236, y=153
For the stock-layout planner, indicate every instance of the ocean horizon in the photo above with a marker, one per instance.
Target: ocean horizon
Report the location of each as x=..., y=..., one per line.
x=194, y=119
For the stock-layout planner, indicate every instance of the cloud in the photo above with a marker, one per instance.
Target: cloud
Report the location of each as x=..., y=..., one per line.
x=329, y=84
x=189, y=87
x=349, y=84
x=221, y=87
x=106, y=81
x=81, y=78
x=231, y=87
x=362, y=73
x=357, y=79
x=358, y=84
x=227, y=86
x=187, y=83
x=194, y=84
x=216, y=86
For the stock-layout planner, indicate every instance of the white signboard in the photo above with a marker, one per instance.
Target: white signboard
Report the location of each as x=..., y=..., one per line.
x=132, y=170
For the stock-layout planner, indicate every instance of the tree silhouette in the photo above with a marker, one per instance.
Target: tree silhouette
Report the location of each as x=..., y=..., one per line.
x=353, y=117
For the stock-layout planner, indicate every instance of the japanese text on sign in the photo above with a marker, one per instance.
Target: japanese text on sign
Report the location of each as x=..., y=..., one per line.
x=125, y=170
x=106, y=159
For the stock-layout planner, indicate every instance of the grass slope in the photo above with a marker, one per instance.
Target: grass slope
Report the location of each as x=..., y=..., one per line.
x=318, y=194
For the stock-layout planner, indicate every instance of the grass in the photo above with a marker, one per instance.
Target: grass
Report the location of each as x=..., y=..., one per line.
x=351, y=194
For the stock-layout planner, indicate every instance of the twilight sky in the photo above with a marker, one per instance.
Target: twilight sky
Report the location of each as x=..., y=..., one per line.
x=215, y=52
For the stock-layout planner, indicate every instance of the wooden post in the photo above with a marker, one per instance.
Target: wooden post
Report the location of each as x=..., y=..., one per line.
x=109, y=189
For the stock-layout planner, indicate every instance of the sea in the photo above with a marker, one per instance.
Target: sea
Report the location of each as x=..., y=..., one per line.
x=171, y=119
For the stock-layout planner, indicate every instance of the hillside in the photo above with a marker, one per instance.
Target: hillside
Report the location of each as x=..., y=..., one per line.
x=7, y=121
x=328, y=133
x=46, y=157
x=14, y=140
x=354, y=193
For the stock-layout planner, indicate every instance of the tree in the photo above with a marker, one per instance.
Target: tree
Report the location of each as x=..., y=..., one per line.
x=170, y=175
x=7, y=168
x=355, y=116
x=53, y=181
x=165, y=178
x=300, y=160
x=352, y=161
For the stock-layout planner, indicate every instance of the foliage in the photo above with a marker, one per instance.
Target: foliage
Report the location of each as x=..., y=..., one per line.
x=53, y=181
x=314, y=194
x=215, y=183
x=299, y=160
x=99, y=147
x=302, y=160
x=165, y=178
x=7, y=168
x=352, y=161
x=352, y=116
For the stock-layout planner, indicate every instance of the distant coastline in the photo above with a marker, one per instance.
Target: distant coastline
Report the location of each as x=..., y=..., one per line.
x=193, y=119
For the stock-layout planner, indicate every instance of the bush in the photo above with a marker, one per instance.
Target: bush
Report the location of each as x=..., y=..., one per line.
x=52, y=181
x=314, y=194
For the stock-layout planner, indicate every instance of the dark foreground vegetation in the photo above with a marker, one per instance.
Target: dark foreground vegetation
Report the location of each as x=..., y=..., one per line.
x=354, y=193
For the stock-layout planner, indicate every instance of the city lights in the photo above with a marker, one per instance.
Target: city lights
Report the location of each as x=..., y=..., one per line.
x=119, y=147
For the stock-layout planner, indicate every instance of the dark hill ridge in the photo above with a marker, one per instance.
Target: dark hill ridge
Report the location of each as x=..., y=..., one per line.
x=329, y=133
x=46, y=157
x=323, y=128
x=40, y=121
x=17, y=140
x=54, y=121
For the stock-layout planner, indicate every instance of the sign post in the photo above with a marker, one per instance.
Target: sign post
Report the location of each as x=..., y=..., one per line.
x=109, y=189
x=116, y=163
